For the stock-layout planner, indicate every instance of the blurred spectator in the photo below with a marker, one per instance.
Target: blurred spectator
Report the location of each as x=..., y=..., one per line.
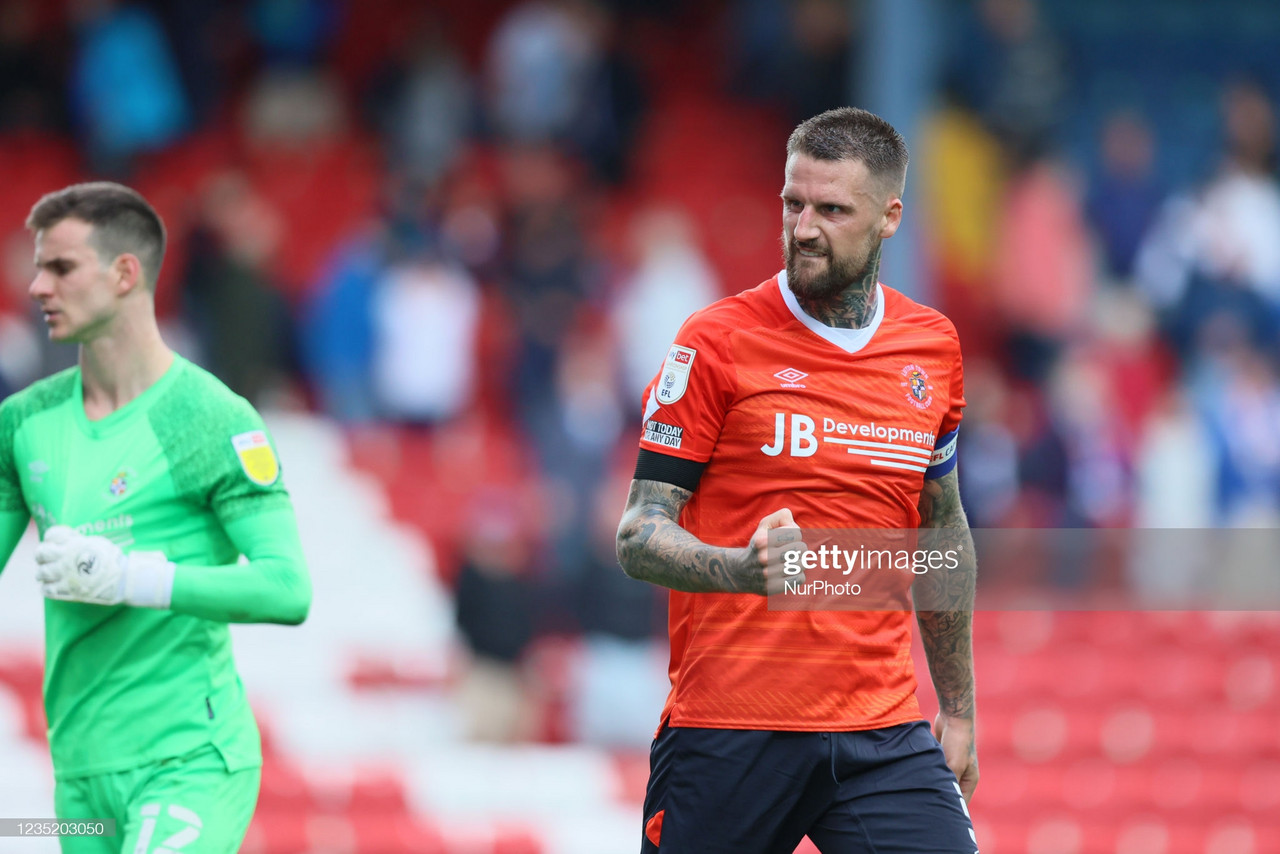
x=796, y=53
x=425, y=311
x=1139, y=368
x=26, y=353
x=337, y=327
x=471, y=224
x=546, y=278
x=575, y=433
x=494, y=613
x=31, y=84
x=1126, y=194
x=672, y=280
x=989, y=453
x=1174, y=488
x=1078, y=455
x=1175, y=468
x=421, y=102
x=1012, y=71
x=817, y=78
x=243, y=327
x=557, y=72
x=1217, y=250
x=126, y=93
x=539, y=60
x=1043, y=268
x=1099, y=488
x=393, y=328
x=20, y=350
x=1237, y=392
x=622, y=672
x=613, y=101
x=293, y=107
x=294, y=32
x=210, y=44
x=755, y=61
x=610, y=603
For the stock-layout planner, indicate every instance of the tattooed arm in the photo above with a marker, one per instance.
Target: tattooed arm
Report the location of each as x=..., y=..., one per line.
x=944, y=610
x=653, y=547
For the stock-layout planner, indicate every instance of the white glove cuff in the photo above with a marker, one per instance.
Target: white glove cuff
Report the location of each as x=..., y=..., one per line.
x=148, y=580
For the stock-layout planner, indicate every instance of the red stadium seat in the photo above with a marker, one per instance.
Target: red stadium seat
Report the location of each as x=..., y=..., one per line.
x=25, y=676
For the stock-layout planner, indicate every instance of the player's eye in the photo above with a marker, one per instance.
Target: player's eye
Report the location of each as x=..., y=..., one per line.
x=792, y=205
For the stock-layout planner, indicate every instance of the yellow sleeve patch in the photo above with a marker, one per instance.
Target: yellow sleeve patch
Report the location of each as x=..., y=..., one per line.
x=256, y=457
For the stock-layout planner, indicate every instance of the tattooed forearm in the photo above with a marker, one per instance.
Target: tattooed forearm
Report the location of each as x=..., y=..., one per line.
x=853, y=307
x=653, y=547
x=944, y=599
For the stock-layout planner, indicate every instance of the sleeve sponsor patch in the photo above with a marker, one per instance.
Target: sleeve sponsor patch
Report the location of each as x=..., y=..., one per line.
x=675, y=374
x=658, y=433
x=256, y=457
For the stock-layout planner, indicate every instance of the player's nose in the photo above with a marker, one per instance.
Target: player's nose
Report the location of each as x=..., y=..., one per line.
x=41, y=287
x=806, y=225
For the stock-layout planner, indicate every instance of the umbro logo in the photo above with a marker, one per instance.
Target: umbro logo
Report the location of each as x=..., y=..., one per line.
x=790, y=377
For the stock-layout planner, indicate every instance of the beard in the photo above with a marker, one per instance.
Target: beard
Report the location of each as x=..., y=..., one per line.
x=840, y=272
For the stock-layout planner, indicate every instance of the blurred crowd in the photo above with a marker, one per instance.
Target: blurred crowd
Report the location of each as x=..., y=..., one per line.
x=469, y=236
x=1123, y=347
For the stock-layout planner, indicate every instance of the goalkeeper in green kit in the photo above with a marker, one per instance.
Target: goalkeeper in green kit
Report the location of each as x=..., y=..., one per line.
x=148, y=479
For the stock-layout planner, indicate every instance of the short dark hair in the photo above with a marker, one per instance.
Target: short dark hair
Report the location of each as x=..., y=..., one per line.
x=848, y=133
x=122, y=220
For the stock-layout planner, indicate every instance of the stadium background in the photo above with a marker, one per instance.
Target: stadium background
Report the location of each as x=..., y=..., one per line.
x=443, y=246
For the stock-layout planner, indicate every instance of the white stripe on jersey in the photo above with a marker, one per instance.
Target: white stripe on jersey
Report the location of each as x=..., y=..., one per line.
x=892, y=464
x=923, y=453
x=882, y=455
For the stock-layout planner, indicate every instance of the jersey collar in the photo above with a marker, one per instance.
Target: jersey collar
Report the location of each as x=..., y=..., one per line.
x=849, y=340
x=125, y=415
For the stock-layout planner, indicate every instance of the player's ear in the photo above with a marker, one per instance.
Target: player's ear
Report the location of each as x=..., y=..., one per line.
x=127, y=270
x=891, y=218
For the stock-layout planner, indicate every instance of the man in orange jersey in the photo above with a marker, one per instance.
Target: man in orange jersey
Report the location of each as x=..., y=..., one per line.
x=820, y=399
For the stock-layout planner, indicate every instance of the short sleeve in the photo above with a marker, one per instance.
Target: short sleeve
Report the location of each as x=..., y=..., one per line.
x=685, y=404
x=943, y=459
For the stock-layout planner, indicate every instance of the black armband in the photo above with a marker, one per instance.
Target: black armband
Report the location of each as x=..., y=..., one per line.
x=677, y=471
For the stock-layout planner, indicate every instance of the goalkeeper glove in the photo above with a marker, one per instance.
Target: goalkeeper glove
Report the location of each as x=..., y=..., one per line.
x=76, y=568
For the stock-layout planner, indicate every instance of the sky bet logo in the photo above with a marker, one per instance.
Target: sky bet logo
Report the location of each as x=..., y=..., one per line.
x=890, y=447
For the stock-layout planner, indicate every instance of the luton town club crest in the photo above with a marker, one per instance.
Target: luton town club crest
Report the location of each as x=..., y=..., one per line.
x=120, y=483
x=916, y=382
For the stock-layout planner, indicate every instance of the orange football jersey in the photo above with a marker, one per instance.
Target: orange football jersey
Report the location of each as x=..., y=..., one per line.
x=842, y=426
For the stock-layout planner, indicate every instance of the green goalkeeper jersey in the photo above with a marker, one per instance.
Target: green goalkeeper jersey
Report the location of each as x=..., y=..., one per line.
x=188, y=469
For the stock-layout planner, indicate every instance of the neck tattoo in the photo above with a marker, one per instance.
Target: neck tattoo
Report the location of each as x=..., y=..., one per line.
x=854, y=306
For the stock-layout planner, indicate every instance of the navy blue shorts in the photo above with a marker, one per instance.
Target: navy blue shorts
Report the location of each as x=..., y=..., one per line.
x=885, y=791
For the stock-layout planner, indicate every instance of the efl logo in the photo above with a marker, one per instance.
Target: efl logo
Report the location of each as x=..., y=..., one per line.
x=675, y=374
x=790, y=377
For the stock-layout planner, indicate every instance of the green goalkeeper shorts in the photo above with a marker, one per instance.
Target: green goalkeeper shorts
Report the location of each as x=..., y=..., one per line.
x=189, y=804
